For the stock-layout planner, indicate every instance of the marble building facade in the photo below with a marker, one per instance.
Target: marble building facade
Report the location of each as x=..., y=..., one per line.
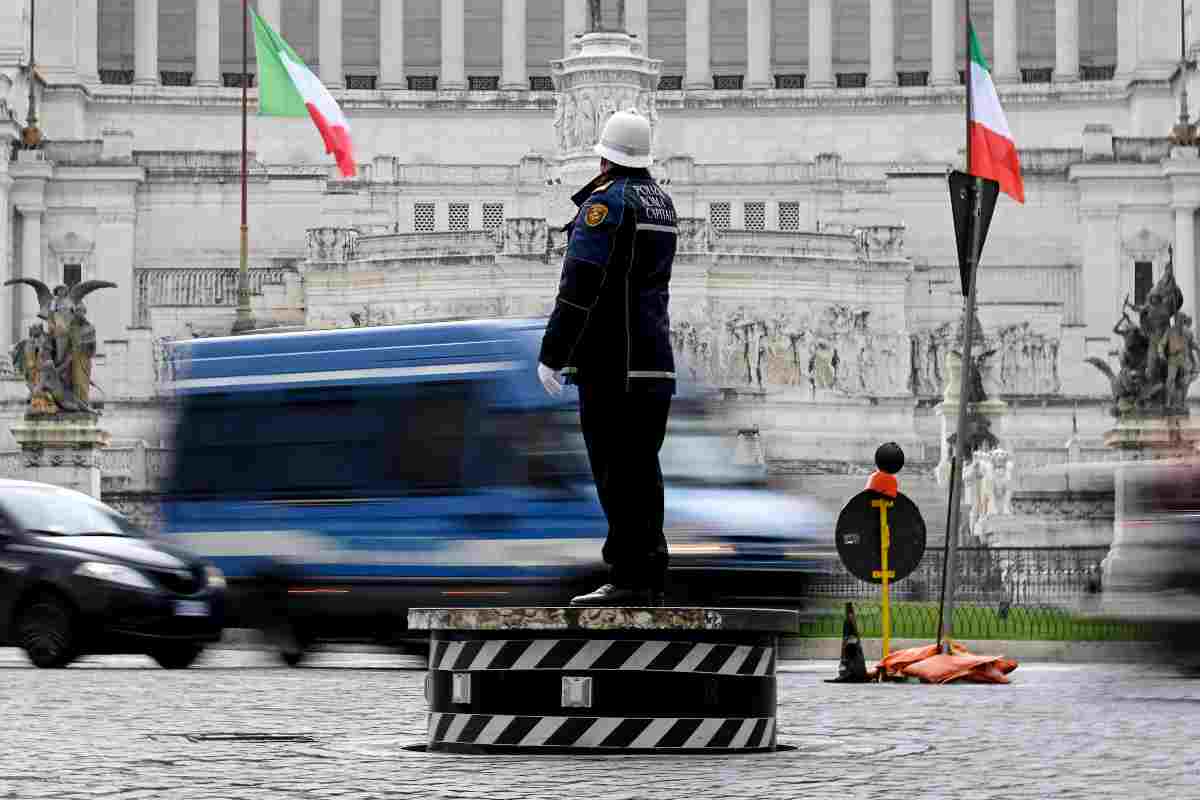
x=806, y=143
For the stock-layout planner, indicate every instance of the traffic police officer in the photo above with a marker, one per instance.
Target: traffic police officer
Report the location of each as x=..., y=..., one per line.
x=609, y=334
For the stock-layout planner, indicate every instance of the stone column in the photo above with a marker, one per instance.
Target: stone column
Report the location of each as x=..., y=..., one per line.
x=515, y=77
x=637, y=21
x=88, y=44
x=145, y=43
x=1066, y=40
x=699, y=60
x=208, y=44
x=574, y=22
x=269, y=11
x=1127, y=38
x=758, y=44
x=454, y=71
x=329, y=43
x=9, y=319
x=943, y=42
x=31, y=264
x=883, y=43
x=820, y=45
x=1185, y=255
x=391, y=46
x=1005, y=69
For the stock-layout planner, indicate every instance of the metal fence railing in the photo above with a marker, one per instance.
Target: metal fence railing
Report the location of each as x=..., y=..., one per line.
x=981, y=621
x=1016, y=575
x=1019, y=593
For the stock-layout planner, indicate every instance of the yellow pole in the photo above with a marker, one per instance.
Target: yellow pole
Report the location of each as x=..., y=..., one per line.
x=885, y=541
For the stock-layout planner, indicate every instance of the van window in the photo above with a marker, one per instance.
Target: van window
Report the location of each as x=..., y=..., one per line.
x=343, y=440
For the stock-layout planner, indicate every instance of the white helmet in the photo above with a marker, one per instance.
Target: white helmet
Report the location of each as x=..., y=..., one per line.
x=626, y=139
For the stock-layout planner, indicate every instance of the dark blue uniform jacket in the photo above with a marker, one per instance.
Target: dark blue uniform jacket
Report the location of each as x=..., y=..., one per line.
x=610, y=326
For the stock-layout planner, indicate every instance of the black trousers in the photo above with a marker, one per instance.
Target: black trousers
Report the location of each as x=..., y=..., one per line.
x=624, y=432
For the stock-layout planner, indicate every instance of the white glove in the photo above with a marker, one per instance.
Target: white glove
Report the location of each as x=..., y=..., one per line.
x=550, y=381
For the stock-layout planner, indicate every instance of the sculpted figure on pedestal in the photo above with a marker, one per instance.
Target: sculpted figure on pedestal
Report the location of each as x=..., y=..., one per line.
x=1159, y=358
x=56, y=362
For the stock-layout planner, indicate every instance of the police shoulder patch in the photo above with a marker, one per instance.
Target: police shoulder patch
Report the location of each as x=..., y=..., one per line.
x=596, y=213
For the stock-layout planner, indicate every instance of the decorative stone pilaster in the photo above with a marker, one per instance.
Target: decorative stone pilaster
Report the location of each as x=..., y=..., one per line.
x=525, y=236
x=63, y=450
x=331, y=245
x=604, y=73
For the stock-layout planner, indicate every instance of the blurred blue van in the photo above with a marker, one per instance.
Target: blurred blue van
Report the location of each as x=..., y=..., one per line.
x=340, y=477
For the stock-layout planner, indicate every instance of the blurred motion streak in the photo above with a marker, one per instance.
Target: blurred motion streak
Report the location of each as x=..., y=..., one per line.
x=340, y=477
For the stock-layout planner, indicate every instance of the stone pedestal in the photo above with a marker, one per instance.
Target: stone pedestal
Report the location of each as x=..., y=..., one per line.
x=1154, y=438
x=602, y=680
x=605, y=72
x=63, y=450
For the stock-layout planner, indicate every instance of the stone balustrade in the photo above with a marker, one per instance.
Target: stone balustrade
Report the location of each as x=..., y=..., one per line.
x=1023, y=285
x=780, y=243
x=874, y=241
x=453, y=174
x=432, y=244
x=128, y=466
x=83, y=152
x=196, y=287
x=825, y=166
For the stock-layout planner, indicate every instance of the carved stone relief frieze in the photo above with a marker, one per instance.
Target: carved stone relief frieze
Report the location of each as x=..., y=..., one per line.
x=581, y=113
x=1022, y=361
x=818, y=346
x=605, y=74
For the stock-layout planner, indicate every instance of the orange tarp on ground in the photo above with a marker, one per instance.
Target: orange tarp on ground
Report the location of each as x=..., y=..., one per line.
x=930, y=666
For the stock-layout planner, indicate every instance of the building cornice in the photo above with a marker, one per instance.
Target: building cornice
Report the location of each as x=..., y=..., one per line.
x=100, y=172
x=758, y=100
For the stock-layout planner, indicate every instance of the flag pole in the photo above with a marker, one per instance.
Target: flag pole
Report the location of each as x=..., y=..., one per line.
x=244, y=320
x=949, y=564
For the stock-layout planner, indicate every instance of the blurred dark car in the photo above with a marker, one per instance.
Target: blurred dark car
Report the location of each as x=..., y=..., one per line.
x=76, y=578
x=1152, y=572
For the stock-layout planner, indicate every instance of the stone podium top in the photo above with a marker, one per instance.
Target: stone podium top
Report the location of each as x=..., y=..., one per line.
x=758, y=620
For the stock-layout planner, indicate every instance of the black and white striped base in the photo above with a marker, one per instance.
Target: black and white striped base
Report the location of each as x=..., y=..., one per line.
x=599, y=734
x=603, y=654
x=603, y=680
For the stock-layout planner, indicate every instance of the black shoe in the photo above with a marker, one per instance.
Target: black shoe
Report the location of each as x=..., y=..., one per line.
x=610, y=595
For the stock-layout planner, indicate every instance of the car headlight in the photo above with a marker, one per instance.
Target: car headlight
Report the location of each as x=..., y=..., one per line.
x=216, y=578
x=114, y=573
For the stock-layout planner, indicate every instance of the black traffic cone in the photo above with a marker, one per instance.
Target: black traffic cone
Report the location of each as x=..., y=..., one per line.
x=853, y=666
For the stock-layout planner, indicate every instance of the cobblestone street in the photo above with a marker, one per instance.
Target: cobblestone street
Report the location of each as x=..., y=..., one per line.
x=120, y=727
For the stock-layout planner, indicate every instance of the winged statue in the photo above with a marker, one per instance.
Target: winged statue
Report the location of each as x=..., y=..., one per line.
x=56, y=358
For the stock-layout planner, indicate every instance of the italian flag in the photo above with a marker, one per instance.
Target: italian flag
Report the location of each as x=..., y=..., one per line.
x=993, y=151
x=287, y=88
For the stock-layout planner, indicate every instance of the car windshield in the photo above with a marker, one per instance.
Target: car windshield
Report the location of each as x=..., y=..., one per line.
x=55, y=513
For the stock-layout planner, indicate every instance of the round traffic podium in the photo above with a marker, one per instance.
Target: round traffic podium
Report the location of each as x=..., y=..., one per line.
x=593, y=680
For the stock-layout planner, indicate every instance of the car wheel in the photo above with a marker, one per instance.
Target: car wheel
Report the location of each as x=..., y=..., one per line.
x=289, y=643
x=46, y=632
x=177, y=656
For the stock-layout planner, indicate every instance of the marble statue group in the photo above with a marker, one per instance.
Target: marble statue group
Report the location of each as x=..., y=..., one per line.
x=1159, y=358
x=55, y=359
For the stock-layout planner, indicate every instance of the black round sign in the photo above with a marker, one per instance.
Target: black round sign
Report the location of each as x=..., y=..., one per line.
x=858, y=536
